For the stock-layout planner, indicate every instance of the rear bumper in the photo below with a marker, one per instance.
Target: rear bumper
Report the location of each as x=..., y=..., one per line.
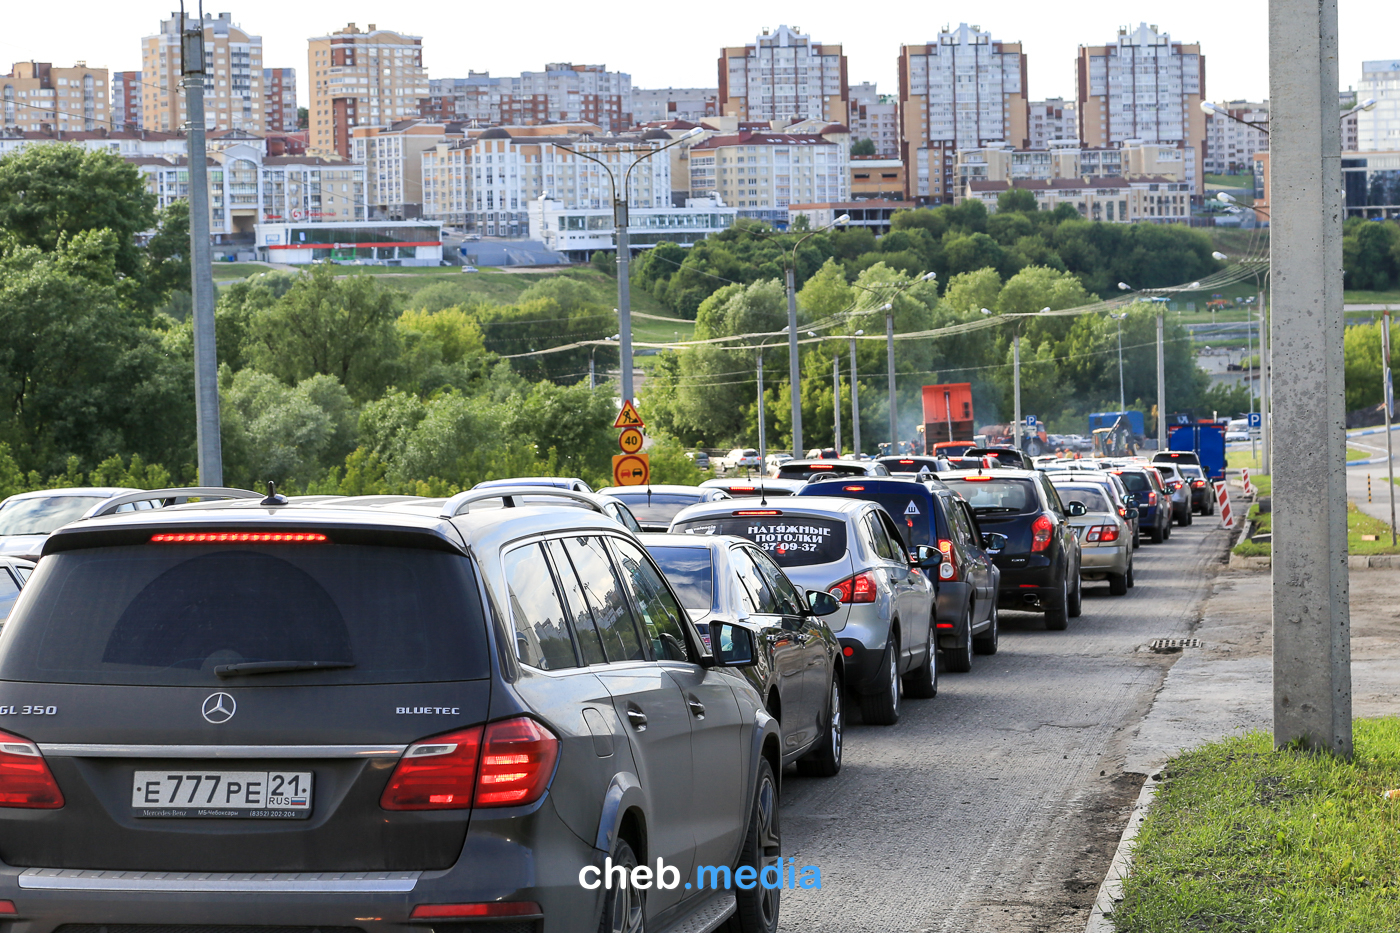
x=1023, y=585
x=1094, y=562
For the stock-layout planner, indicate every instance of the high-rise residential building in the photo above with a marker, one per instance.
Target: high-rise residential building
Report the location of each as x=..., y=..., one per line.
x=280, y=99
x=1051, y=120
x=662, y=105
x=36, y=96
x=562, y=93
x=962, y=90
x=875, y=116
x=392, y=157
x=1230, y=144
x=233, y=93
x=1144, y=86
x=126, y=100
x=1379, y=128
x=370, y=78
x=784, y=75
x=762, y=172
x=1345, y=101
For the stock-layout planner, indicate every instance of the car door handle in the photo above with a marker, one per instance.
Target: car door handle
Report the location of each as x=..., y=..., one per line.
x=637, y=717
x=696, y=707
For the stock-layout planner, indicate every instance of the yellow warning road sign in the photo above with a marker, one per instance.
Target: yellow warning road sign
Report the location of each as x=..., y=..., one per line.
x=631, y=469
x=630, y=440
x=628, y=417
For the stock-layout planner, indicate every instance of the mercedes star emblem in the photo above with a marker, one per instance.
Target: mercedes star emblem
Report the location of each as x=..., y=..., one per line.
x=219, y=708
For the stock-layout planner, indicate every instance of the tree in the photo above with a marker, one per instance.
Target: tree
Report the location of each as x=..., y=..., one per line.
x=863, y=147
x=1369, y=255
x=1017, y=199
x=303, y=117
x=168, y=251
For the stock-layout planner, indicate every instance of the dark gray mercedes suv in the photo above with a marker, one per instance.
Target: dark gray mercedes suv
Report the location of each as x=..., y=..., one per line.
x=373, y=715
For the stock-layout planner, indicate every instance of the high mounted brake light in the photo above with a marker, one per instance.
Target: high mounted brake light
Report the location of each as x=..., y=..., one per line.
x=976, y=479
x=748, y=512
x=853, y=489
x=743, y=488
x=240, y=537
x=820, y=466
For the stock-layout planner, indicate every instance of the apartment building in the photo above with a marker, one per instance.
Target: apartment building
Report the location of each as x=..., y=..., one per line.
x=1113, y=199
x=487, y=180
x=562, y=93
x=960, y=91
x=662, y=105
x=233, y=89
x=1379, y=128
x=1147, y=87
x=280, y=99
x=875, y=116
x=1052, y=120
x=36, y=96
x=392, y=157
x=763, y=173
x=361, y=78
x=1370, y=184
x=1345, y=101
x=126, y=100
x=1230, y=144
x=784, y=74
x=879, y=178
x=125, y=143
x=1067, y=160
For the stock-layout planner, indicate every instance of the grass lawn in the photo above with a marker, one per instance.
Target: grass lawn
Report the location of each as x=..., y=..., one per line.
x=237, y=270
x=1245, y=838
x=1358, y=524
x=1371, y=298
x=1230, y=181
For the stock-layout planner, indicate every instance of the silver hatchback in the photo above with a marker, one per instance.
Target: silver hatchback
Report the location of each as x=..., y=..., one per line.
x=852, y=549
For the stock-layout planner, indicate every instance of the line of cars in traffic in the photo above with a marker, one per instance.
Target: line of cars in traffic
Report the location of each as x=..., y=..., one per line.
x=384, y=712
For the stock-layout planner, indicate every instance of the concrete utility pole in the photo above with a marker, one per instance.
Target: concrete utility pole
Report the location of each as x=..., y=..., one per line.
x=836, y=397
x=1312, y=626
x=855, y=400
x=1161, y=387
x=794, y=371
x=1265, y=398
x=1389, y=388
x=206, y=360
x=762, y=435
x=889, y=344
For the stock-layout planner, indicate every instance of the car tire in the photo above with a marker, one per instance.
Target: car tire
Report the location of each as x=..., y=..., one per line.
x=1155, y=535
x=1137, y=538
x=1131, y=582
x=1118, y=584
x=624, y=908
x=881, y=708
x=922, y=682
x=1075, y=604
x=1188, y=518
x=1057, y=613
x=986, y=643
x=825, y=759
x=959, y=660
x=1167, y=532
x=763, y=846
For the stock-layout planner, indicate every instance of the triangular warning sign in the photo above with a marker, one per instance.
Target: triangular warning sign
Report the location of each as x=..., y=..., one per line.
x=913, y=509
x=628, y=417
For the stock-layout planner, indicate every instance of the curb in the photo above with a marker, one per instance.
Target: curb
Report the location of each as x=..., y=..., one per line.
x=1354, y=562
x=1111, y=891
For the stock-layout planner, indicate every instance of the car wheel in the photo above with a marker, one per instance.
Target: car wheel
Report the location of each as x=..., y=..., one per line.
x=960, y=659
x=986, y=643
x=1167, y=532
x=1057, y=613
x=1131, y=581
x=1188, y=518
x=1137, y=537
x=825, y=759
x=922, y=682
x=763, y=847
x=1155, y=535
x=1075, y=604
x=881, y=708
x=624, y=907
x=1118, y=584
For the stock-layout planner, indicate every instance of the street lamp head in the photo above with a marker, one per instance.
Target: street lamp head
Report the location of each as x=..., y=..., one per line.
x=615, y=337
x=811, y=333
x=886, y=307
x=1225, y=196
x=1194, y=285
x=928, y=276
x=1043, y=310
x=1124, y=286
x=1219, y=256
x=986, y=310
x=857, y=333
x=842, y=220
x=784, y=330
x=1208, y=107
x=694, y=131
x=1367, y=104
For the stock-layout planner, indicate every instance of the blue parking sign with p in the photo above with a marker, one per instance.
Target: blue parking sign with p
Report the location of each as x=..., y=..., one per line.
x=1255, y=419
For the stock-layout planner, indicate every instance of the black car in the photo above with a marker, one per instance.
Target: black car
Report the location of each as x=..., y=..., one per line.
x=967, y=580
x=1202, y=492
x=1004, y=456
x=14, y=572
x=807, y=469
x=1150, y=498
x=1040, y=562
x=394, y=717
x=799, y=674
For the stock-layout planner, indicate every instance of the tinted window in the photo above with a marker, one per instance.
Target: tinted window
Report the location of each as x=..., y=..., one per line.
x=909, y=464
x=611, y=615
x=752, y=585
x=157, y=614
x=1135, y=482
x=784, y=593
x=792, y=542
x=541, y=633
x=9, y=592
x=807, y=471
x=879, y=539
x=766, y=491
x=997, y=495
x=910, y=508
x=656, y=509
x=661, y=614
x=590, y=643
x=42, y=515
x=1092, y=498
x=691, y=572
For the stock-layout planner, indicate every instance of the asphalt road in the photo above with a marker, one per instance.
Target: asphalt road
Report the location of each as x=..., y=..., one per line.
x=997, y=805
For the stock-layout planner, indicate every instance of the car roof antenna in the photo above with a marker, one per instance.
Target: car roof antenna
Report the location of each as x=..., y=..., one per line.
x=273, y=496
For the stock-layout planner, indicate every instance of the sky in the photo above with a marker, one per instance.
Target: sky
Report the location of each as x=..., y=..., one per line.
x=677, y=44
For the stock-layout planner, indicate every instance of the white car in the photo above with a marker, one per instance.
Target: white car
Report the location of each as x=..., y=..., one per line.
x=1234, y=434
x=741, y=458
x=773, y=461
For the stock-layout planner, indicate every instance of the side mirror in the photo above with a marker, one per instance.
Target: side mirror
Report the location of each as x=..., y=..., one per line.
x=927, y=556
x=822, y=603
x=994, y=543
x=1130, y=500
x=1076, y=509
x=733, y=645
x=1132, y=515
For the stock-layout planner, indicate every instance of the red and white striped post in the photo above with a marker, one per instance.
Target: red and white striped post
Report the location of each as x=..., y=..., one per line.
x=1222, y=496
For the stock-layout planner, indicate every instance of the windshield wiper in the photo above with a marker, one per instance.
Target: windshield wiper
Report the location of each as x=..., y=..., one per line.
x=278, y=667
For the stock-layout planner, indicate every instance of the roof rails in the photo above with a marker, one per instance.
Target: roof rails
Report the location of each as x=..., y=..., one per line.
x=508, y=494
x=171, y=496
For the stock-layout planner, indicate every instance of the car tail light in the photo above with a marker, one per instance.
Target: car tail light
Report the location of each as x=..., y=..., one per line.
x=746, y=512
x=1102, y=533
x=1151, y=498
x=853, y=488
x=1041, y=531
x=976, y=479
x=858, y=589
x=476, y=911
x=239, y=537
x=947, y=570
x=743, y=489
x=1198, y=483
x=8, y=907
x=25, y=780
x=503, y=764
x=848, y=651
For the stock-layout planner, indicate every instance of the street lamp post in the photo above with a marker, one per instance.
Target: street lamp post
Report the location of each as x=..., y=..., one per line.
x=794, y=370
x=855, y=400
x=1122, y=405
x=624, y=249
x=836, y=399
x=762, y=430
x=889, y=348
x=592, y=382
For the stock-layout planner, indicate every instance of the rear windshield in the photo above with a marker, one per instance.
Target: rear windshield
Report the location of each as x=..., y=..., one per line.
x=656, y=509
x=807, y=471
x=767, y=491
x=997, y=495
x=1135, y=482
x=910, y=464
x=168, y=614
x=691, y=573
x=912, y=510
x=794, y=541
x=40, y=516
x=1092, y=497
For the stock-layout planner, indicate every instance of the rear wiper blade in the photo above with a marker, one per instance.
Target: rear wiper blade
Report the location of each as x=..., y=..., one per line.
x=278, y=667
